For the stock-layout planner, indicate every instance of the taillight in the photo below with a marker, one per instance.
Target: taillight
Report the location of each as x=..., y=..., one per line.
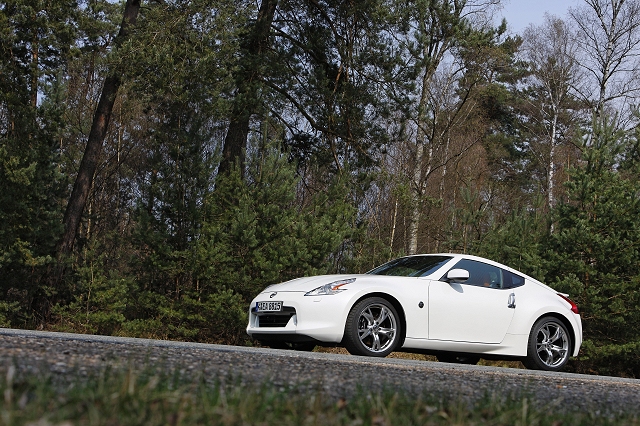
x=574, y=307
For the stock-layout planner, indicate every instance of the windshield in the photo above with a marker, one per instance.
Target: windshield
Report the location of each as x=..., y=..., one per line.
x=413, y=266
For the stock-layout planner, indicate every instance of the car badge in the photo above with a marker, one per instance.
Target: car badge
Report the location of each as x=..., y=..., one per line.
x=272, y=295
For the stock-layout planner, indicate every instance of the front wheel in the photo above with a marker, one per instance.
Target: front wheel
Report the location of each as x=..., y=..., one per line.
x=372, y=328
x=549, y=345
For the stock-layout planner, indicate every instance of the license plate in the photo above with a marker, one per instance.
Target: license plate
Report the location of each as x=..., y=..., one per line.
x=268, y=306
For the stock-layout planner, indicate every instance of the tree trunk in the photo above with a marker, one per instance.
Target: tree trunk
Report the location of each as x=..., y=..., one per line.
x=101, y=118
x=551, y=201
x=423, y=140
x=35, y=62
x=246, y=101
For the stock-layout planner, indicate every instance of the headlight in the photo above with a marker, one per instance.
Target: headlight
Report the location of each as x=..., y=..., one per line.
x=331, y=288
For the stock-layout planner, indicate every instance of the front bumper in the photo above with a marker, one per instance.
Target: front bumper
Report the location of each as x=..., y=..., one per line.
x=303, y=318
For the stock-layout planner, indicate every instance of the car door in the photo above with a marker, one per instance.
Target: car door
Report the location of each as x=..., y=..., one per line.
x=478, y=310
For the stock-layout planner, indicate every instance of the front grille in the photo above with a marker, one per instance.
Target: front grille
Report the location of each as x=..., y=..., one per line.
x=276, y=319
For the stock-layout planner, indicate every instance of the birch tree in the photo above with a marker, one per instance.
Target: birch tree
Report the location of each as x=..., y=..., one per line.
x=609, y=51
x=550, y=51
x=437, y=29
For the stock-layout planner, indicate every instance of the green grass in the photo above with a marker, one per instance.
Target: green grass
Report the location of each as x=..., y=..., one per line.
x=146, y=398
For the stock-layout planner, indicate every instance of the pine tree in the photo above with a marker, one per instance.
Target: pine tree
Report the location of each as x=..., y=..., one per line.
x=99, y=127
x=258, y=233
x=594, y=253
x=35, y=43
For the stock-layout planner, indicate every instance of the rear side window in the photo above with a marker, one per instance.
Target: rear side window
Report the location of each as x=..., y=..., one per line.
x=484, y=275
x=480, y=274
x=511, y=280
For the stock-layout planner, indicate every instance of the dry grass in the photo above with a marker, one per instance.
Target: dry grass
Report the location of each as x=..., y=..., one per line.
x=421, y=357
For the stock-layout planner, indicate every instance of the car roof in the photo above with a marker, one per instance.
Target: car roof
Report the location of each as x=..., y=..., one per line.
x=484, y=260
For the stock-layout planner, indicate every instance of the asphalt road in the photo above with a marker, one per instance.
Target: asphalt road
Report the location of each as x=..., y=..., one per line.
x=64, y=356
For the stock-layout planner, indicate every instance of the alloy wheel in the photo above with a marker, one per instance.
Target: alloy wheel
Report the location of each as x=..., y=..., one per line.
x=377, y=327
x=552, y=344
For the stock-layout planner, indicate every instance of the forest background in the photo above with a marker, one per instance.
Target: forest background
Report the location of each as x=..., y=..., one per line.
x=162, y=161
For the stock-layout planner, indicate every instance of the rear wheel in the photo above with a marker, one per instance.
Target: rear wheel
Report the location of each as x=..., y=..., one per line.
x=549, y=345
x=372, y=328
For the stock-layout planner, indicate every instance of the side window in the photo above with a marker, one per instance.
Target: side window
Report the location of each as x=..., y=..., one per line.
x=511, y=280
x=481, y=274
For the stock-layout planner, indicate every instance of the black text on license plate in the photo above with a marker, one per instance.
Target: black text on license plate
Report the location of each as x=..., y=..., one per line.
x=268, y=306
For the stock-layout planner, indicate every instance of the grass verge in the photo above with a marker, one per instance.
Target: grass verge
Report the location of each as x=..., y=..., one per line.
x=146, y=398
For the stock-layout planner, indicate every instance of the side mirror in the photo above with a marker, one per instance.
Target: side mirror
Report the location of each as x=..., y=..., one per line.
x=457, y=275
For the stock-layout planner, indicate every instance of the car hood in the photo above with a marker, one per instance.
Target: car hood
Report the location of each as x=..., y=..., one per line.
x=309, y=283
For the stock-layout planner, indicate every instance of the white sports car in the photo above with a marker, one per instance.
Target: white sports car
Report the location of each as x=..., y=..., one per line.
x=457, y=307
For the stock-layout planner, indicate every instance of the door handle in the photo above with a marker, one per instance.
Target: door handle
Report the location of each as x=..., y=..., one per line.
x=512, y=301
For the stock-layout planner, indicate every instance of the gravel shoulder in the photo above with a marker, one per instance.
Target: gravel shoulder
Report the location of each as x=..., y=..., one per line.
x=64, y=356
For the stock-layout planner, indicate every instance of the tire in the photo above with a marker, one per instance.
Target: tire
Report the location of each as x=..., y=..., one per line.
x=549, y=345
x=454, y=358
x=373, y=328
